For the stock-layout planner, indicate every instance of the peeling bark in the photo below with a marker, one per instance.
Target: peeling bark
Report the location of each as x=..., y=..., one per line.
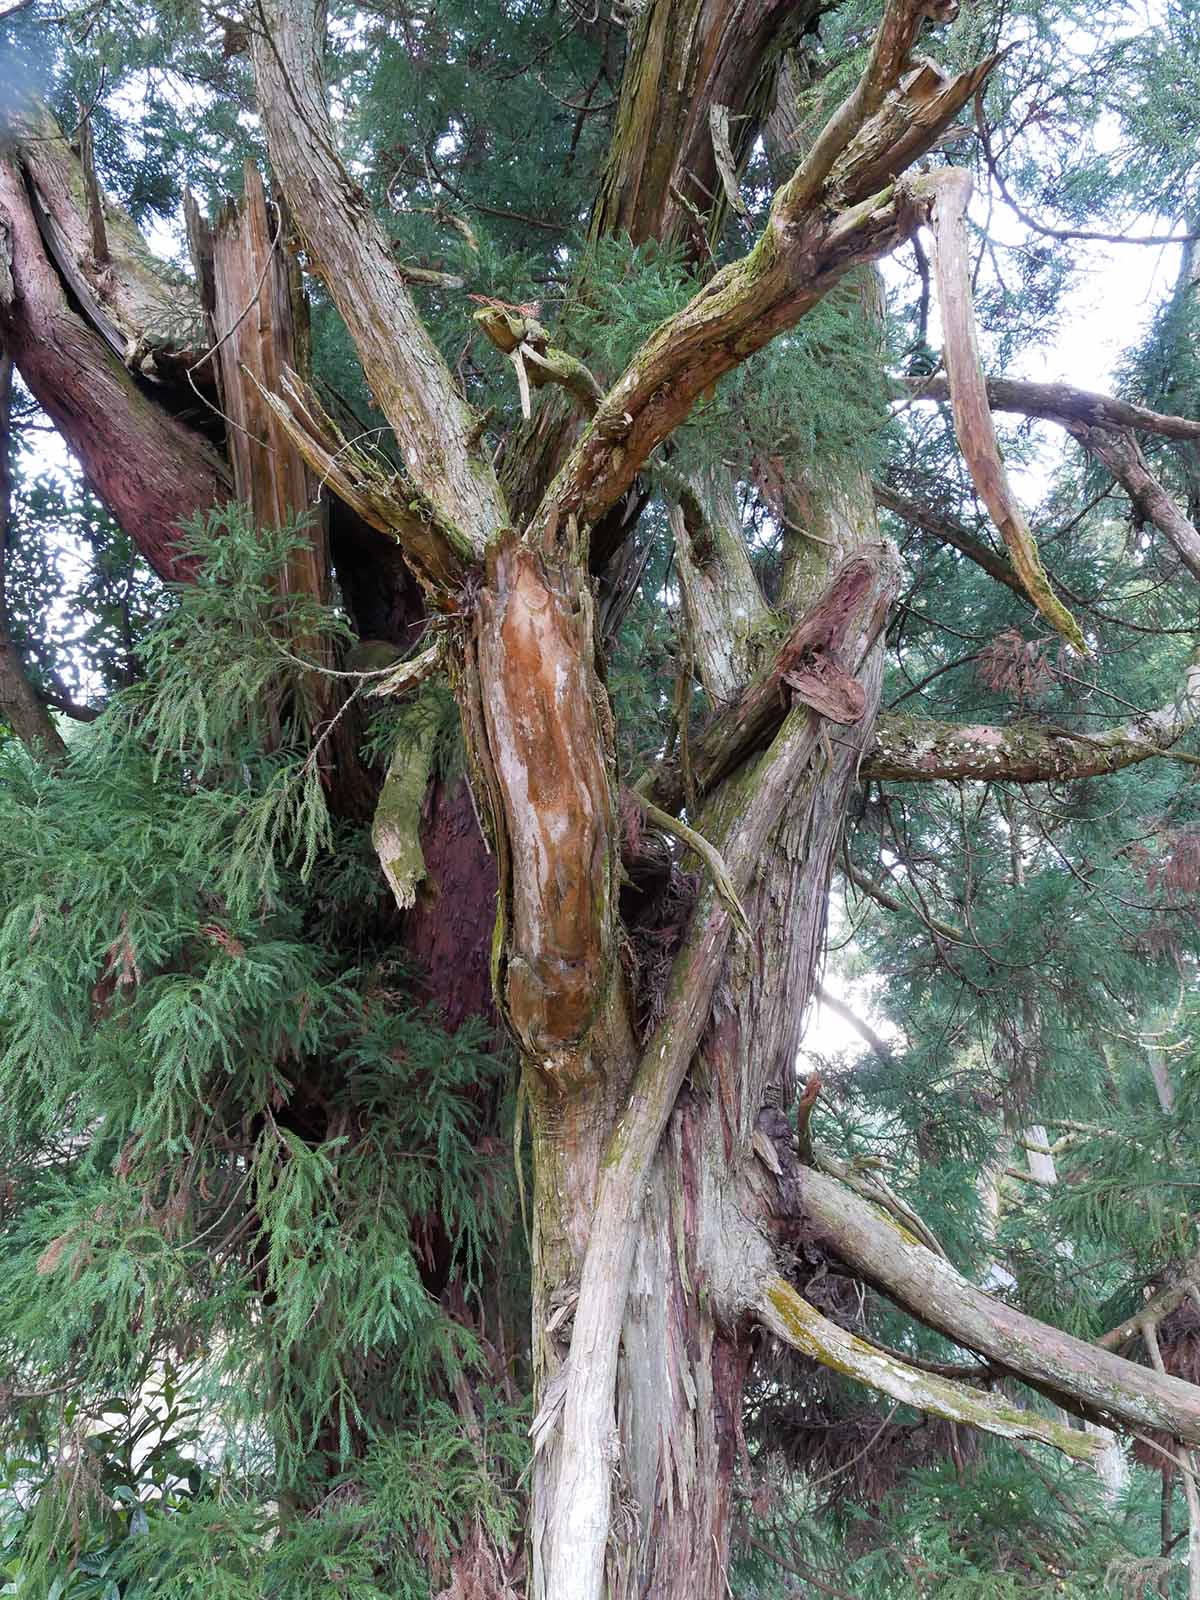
x=149, y=317
x=652, y=1206
x=743, y=727
x=149, y=468
x=461, y=501
x=685, y=56
x=968, y=396
x=548, y=752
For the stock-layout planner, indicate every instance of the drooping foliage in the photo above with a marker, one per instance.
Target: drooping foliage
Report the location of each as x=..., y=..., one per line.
x=197, y=976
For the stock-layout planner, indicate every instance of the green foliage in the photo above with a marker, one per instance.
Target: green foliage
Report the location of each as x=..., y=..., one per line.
x=816, y=393
x=77, y=596
x=229, y=1146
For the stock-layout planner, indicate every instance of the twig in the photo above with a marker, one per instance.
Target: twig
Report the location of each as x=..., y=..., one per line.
x=709, y=854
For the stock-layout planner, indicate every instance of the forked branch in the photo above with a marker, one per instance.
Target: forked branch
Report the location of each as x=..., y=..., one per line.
x=1103, y=1385
x=790, y=1318
x=1107, y=429
x=457, y=494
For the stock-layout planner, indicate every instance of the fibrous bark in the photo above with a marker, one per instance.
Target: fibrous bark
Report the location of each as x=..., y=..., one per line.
x=150, y=468
x=652, y=1124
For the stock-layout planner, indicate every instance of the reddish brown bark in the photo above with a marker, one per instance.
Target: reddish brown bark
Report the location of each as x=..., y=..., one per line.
x=151, y=471
x=20, y=707
x=448, y=932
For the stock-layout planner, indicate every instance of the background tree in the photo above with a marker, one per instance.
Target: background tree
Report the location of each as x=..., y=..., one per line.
x=597, y=521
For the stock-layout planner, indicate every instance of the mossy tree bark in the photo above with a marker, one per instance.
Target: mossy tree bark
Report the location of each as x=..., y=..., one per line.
x=638, y=1182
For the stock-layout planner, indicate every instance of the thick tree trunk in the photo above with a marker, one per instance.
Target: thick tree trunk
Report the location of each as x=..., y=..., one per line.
x=661, y=1156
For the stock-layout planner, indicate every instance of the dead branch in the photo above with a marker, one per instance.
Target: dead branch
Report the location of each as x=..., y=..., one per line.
x=1119, y=1392
x=918, y=749
x=951, y=533
x=968, y=397
x=1060, y=402
x=790, y=1318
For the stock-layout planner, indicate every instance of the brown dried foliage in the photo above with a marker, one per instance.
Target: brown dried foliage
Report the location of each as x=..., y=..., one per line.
x=1019, y=667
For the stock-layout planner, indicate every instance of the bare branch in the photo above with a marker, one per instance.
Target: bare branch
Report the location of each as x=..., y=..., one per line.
x=457, y=494
x=366, y=484
x=860, y=1025
x=1120, y=453
x=717, y=870
x=949, y=532
x=1060, y=402
x=1106, y=1386
x=522, y=337
x=149, y=318
x=891, y=902
x=792, y=1319
x=968, y=397
x=916, y=750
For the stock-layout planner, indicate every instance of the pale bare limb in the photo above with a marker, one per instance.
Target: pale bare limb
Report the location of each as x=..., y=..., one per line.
x=918, y=749
x=456, y=494
x=790, y=1318
x=968, y=397
x=1106, y=1387
x=949, y=532
x=717, y=870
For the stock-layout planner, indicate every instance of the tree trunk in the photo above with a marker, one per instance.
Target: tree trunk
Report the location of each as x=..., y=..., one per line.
x=150, y=467
x=663, y=1169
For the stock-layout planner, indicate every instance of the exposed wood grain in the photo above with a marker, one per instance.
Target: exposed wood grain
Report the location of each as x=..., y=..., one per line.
x=451, y=476
x=973, y=425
